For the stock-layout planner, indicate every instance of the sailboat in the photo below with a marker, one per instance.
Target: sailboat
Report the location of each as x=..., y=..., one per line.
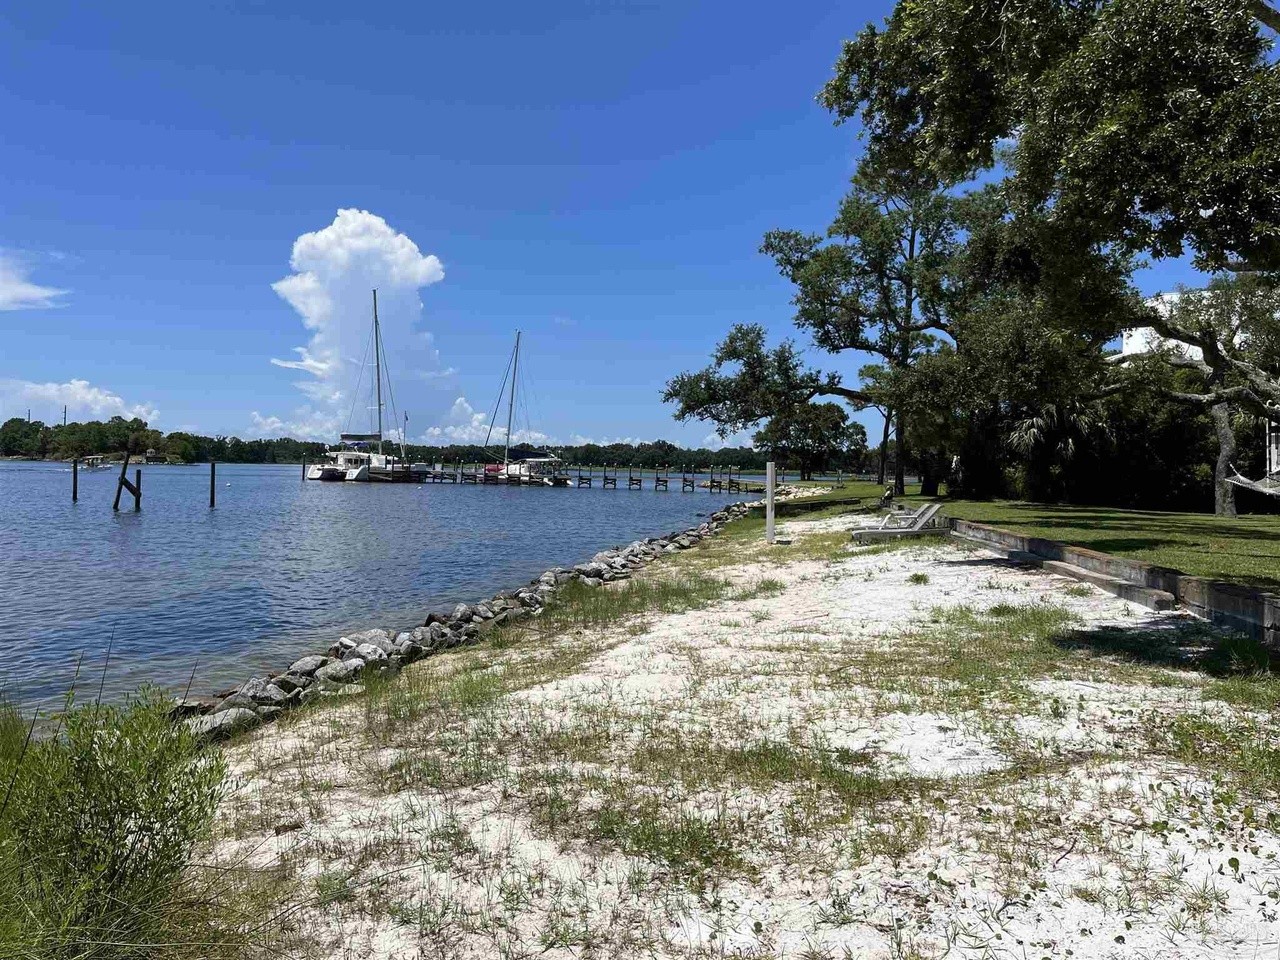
x=355, y=458
x=544, y=471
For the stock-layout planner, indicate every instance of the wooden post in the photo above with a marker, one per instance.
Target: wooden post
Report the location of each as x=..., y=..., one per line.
x=137, y=490
x=770, y=476
x=213, y=482
x=304, y=467
x=75, y=479
x=122, y=482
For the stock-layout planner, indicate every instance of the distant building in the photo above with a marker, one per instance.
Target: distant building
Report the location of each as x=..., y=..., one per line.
x=1142, y=340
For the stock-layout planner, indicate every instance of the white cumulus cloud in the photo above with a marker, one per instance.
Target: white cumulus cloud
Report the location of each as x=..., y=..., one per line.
x=82, y=399
x=465, y=424
x=713, y=440
x=578, y=440
x=335, y=270
x=17, y=292
x=304, y=424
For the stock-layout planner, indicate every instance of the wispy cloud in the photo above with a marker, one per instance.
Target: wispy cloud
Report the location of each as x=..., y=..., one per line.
x=17, y=292
x=437, y=374
x=82, y=399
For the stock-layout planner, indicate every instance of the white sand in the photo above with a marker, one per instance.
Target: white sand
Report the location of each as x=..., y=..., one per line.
x=998, y=862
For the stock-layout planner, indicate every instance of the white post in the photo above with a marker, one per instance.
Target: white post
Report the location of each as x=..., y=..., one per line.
x=770, y=476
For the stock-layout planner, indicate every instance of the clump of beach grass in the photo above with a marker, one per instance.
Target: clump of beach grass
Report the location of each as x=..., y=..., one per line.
x=98, y=822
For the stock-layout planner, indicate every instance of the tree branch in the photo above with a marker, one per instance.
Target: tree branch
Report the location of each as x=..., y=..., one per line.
x=1265, y=14
x=856, y=397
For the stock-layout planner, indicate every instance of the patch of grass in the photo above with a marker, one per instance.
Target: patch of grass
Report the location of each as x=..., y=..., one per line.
x=919, y=579
x=768, y=587
x=1244, y=746
x=966, y=660
x=98, y=825
x=868, y=490
x=1242, y=549
x=1258, y=690
x=579, y=607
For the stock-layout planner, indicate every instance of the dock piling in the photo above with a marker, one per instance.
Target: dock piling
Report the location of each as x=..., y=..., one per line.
x=75, y=480
x=769, y=477
x=213, y=482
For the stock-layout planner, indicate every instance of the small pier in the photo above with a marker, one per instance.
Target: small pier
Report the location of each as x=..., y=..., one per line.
x=716, y=478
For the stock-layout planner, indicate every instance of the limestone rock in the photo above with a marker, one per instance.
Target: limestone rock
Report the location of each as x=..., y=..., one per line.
x=237, y=701
x=345, y=671
x=307, y=666
x=370, y=653
x=290, y=682
x=224, y=723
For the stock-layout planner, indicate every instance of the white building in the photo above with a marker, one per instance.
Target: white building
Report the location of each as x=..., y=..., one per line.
x=1141, y=340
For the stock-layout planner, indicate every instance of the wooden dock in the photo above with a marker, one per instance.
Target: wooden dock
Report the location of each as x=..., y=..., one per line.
x=715, y=479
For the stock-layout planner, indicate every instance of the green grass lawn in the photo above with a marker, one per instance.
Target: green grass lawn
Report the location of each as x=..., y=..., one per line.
x=1240, y=549
x=870, y=492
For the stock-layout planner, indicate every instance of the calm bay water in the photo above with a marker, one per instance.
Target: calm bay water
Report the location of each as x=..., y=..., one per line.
x=281, y=568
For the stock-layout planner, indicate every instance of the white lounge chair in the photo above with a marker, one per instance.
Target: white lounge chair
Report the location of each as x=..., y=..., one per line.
x=920, y=523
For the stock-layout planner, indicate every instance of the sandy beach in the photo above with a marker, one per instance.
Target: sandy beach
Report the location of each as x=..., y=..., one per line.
x=808, y=751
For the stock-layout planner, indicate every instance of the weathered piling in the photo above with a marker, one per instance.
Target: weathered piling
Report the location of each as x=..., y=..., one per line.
x=75, y=480
x=769, y=478
x=213, y=482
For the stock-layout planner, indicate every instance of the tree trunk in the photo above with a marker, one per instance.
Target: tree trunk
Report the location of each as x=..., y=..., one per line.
x=884, y=445
x=900, y=468
x=1224, y=493
x=931, y=472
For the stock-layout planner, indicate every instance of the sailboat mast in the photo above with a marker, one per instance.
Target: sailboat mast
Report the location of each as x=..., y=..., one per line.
x=377, y=366
x=511, y=403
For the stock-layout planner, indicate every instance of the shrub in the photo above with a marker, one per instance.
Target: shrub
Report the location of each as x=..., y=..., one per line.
x=99, y=819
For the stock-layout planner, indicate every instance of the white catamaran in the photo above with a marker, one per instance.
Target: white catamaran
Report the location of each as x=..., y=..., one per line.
x=355, y=459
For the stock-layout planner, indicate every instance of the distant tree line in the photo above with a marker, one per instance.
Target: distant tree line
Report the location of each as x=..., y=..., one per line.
x=37, y=440
x=825, y=442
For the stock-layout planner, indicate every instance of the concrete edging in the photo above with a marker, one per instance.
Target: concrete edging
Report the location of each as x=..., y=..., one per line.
x=1248, y=609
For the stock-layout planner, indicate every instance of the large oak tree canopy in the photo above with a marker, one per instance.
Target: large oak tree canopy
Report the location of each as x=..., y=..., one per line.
x=747, y=383
x=1151, y=123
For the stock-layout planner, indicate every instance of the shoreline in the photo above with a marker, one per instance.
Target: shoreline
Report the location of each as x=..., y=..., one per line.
x=381, y=651
x=896, y=750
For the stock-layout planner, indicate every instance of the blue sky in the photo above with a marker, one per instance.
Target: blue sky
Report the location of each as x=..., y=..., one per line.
x=597, y=175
